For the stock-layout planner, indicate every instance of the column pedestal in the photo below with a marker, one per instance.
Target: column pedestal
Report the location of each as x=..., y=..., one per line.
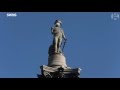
x=59, y=72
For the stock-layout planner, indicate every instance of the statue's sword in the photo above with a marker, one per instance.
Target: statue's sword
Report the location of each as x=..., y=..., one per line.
x=63, y=45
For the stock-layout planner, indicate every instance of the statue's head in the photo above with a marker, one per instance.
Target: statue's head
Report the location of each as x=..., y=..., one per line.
x=58, y=22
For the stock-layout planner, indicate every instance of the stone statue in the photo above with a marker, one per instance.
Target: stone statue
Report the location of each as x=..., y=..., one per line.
x=57, y=66
x=58, y=36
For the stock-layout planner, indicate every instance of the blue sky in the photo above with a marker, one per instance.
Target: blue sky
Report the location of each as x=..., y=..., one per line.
x=93, y=43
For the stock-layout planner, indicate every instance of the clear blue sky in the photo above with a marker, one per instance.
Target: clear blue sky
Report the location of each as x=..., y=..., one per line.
x=93, y=43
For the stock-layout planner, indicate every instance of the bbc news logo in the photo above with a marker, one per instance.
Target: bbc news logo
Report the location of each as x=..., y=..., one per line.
x=115, y=16
x=11, y=14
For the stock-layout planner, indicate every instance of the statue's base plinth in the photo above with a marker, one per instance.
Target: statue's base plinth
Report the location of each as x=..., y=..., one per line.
x=57, y=59
x=59, y=72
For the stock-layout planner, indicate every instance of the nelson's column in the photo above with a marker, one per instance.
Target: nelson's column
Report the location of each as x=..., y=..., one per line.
x=57, y=67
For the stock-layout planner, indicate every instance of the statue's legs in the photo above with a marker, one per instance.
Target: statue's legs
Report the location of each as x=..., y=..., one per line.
x=55, y=43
